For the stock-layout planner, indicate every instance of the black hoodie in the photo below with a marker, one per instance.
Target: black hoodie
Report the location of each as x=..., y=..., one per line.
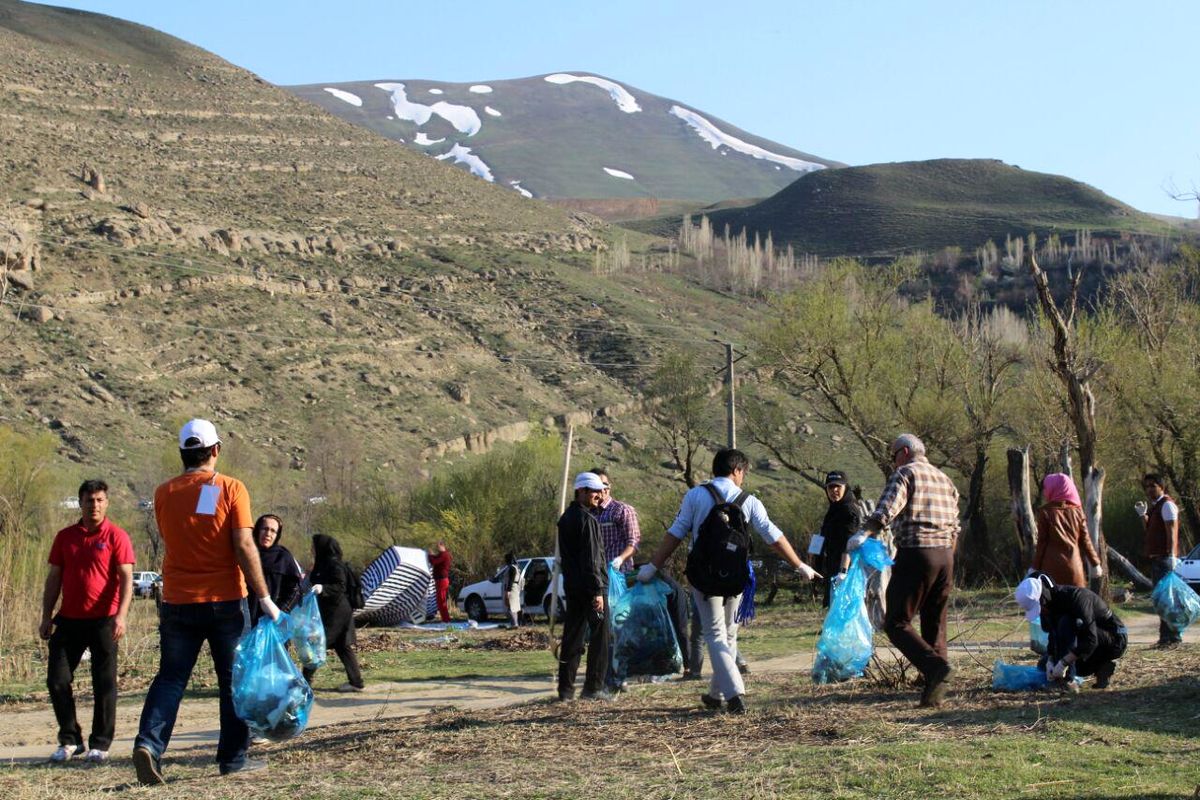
x=842, y=520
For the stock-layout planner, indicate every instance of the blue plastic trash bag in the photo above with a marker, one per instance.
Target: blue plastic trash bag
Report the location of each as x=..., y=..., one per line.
x=1176, y=603
x=1039, y=640
x=269, y=693
x=845, y=646
x=1018, y=677
x=644, y=640
x=616, y=586
x=308, y=633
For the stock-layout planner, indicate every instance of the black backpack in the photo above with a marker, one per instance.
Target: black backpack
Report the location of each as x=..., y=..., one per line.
x=353, y=589
x=719, y=563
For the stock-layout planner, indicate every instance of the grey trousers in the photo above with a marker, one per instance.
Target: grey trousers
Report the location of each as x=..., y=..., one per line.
x=696, y=643
x=716, y=615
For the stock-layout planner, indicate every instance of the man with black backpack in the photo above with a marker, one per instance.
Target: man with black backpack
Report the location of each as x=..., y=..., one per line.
x=717, y=517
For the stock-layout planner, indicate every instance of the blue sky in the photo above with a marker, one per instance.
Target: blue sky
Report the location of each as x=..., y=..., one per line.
x=1100, y=91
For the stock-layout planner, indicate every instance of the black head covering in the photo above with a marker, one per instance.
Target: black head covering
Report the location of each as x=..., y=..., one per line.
x=326, y=550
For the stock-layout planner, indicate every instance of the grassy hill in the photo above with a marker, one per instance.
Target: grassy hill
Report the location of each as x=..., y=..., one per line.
x=555, y=137
x=888, y=209
x=182, y=238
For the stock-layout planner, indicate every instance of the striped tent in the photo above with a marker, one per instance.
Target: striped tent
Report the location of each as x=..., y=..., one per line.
x=397, y=587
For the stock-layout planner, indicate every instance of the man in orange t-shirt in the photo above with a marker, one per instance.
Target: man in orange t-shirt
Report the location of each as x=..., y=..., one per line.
x=206, y=526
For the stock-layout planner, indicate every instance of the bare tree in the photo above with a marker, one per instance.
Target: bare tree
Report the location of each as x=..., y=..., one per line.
x=1075, y=370
x=681, y=412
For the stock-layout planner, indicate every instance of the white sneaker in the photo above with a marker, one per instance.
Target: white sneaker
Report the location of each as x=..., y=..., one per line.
x=65, y=752
x=95, y=756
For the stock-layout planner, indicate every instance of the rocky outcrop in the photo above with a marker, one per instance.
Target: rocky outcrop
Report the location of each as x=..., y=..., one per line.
x=20, y=255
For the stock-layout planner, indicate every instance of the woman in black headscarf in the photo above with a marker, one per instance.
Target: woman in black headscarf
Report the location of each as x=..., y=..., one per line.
x=332, y=580
x=842, y=520
x=282, y=573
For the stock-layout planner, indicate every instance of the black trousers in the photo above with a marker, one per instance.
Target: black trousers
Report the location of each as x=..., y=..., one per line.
x=1159, y=568
x=922, y=579
x=1110, y=647
x=70, y=638
x=583, y=626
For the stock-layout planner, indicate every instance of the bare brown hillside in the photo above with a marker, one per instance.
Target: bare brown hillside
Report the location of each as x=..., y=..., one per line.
x=179, y=237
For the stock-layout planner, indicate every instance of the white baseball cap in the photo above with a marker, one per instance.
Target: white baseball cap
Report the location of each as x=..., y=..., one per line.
x=1029, y=598
x=588, y=480
x=197, y=433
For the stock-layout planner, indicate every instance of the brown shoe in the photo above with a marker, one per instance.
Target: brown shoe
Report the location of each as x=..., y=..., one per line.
x=936, y=685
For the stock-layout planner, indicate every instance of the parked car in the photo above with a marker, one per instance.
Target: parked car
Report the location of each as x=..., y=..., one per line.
x=144, y=583
x=486, y=598
x=1188, y=568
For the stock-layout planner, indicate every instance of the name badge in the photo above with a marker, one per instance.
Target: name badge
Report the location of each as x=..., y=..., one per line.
x=210, y=493
x=816, y=544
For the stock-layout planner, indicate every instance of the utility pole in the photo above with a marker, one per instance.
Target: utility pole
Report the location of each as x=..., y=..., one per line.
x=730, y=399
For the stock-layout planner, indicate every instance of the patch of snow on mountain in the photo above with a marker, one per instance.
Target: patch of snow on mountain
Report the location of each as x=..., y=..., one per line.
x=436, y=91
x=718, y=138
x=342, y=94
x=463, y=155
x=624, y=100
x=480, y=88
x=618, y=173
x=425, y=141
x=463, y=118
x=405, y=108
x=491, y=112
x=517, y=185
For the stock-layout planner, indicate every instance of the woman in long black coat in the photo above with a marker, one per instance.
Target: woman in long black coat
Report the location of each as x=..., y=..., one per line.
x=331, y=579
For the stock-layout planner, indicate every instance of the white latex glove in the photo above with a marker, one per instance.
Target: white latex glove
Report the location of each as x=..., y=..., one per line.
x=646, y=573
x=837, y=579
x=1140, y=507
x=1173, y=562
x=856, y=541
x=317, y=588
x=269, y=608
x=1096, y=571
x=1059, y=672
x=808, y=573
x=617, y=562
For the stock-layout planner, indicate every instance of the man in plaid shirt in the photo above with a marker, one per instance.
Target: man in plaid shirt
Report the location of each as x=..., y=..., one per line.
x=921, y=505
x=618, y=527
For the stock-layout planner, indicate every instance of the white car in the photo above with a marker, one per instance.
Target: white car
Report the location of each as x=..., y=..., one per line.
x=486, y=598
x=1188, y=568
x=143, y=583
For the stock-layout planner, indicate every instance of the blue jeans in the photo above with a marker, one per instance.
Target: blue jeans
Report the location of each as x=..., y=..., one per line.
x=182, y=629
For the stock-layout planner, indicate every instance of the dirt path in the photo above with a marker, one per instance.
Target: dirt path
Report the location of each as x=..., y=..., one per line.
x=28, y=736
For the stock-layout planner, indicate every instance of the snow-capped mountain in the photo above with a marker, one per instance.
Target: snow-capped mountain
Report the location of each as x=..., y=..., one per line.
x=570, y=135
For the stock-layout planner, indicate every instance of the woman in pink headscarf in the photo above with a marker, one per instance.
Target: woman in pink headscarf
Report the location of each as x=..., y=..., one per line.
x=1063, y=540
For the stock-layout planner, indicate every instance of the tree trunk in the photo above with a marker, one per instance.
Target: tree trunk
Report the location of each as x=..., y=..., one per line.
x=1139, y=580
x=1093, y=503
x=1022, y=508
x=980, y=547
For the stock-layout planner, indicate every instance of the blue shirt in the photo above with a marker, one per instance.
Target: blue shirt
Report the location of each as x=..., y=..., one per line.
x=698, y=502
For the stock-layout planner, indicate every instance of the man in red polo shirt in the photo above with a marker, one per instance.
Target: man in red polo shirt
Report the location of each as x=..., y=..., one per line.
x=91, y=566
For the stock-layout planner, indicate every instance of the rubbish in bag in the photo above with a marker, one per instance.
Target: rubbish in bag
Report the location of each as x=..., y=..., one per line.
x=1176, y=603
x=1022, y=677
x=269, y=693
x=845, y=646
x=1039, y=640
x=308, y=633
x=644, y=640
x=1018, y=677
